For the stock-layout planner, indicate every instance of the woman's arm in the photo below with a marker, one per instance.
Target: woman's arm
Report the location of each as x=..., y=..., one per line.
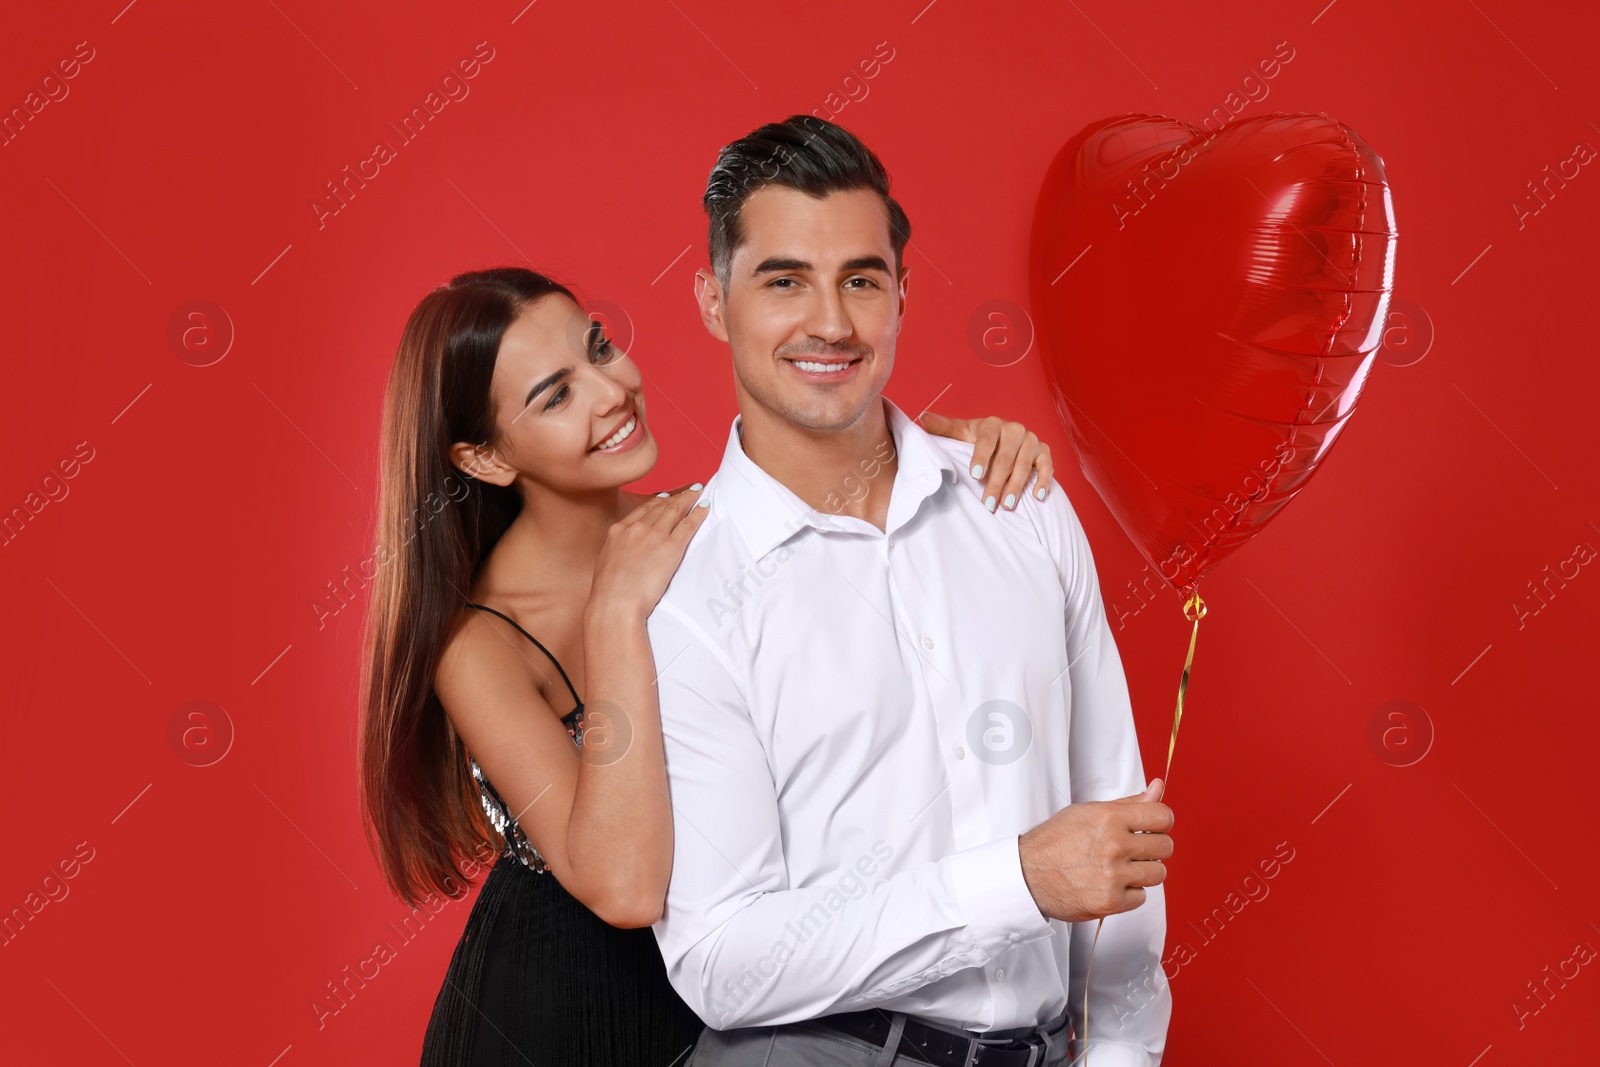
x=621, y=823
x=599, y=814
x=1005, y=454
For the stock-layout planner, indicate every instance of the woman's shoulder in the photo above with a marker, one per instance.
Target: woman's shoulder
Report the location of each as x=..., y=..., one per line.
x=483, y=653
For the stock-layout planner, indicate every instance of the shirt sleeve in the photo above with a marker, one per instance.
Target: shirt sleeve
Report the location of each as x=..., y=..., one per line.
x=745, y=948
x=1130, y=1003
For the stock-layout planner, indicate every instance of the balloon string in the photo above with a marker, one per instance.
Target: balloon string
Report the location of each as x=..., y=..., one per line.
x=1194, y=609
x=1086, y=972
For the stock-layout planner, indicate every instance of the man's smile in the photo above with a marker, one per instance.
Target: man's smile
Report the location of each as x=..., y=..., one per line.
x=824, y=368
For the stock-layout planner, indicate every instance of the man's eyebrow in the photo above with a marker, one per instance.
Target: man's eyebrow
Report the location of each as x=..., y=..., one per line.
x=544, y=383
x=777, y=263
x=867, y=263
x=781, y=263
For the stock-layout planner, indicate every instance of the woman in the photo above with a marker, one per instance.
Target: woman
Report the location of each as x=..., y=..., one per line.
x=507, y=400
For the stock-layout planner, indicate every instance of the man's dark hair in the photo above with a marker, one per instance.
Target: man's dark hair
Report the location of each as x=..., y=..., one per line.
x=802, y=152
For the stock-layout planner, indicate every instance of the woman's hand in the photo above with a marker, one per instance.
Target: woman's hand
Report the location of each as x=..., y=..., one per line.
x=642, y=552
x=1005, y=454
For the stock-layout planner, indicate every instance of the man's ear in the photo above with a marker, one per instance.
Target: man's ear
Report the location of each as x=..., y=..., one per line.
x=708, y=294
x=904, y=287
x=482, y=462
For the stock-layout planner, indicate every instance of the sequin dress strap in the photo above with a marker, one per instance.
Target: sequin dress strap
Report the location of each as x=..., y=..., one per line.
x=576, y=699
x=516, y=843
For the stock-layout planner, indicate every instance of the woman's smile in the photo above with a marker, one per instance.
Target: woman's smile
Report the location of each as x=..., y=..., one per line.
x=626, y=436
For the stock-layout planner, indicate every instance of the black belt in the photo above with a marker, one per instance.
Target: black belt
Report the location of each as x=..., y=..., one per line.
x=1021, y=1047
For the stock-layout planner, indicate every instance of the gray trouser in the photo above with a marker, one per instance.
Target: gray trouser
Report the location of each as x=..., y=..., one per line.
x=809, y=1045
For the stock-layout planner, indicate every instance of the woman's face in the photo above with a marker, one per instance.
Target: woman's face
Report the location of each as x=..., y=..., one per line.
x=568, y=403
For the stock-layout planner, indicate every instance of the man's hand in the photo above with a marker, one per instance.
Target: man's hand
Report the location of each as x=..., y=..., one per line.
x=1094, y=859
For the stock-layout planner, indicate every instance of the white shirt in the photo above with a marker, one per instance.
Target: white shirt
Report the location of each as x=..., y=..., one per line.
x=858, y=725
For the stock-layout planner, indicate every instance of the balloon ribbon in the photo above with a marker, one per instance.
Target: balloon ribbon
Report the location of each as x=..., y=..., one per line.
x=1194, y=609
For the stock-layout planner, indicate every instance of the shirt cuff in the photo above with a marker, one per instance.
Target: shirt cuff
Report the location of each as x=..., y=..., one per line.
x=1115, y=1053
x=993, y=896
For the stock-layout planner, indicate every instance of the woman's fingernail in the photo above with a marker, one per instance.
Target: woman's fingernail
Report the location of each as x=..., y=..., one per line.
x=1011, y=500
x=989, y=503
x=663, y=494
x=1039, y=492
x=697, y=485
x=703, y=502
x=977, y=470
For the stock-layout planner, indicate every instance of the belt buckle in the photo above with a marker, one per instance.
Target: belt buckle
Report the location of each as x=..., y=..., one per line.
x=1046, y=1046
x=1038, y=1047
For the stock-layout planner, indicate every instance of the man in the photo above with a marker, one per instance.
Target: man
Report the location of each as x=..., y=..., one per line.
x=896, y=725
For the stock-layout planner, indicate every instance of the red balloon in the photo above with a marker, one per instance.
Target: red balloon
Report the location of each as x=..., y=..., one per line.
x=1209, y=306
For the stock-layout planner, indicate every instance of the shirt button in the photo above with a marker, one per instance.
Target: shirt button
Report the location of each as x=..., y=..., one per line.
x=961, y=753
x=999, y=974
x=1015, y=936
x=927, y=642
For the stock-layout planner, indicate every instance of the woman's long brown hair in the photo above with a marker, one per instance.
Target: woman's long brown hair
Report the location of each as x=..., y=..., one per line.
x=435, y=527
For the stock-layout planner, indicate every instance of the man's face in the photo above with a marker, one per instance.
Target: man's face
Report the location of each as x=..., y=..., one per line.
x=812, y=306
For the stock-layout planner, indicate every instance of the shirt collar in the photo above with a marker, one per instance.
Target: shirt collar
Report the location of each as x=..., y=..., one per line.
x=767, y=513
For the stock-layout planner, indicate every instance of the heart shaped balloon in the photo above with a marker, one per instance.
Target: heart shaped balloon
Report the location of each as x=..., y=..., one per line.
x=1209, y=306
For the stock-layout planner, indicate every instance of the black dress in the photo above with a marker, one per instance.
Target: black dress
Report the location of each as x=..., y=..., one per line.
x=538, y=978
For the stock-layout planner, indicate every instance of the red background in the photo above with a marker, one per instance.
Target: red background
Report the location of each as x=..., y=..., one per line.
x=184, y=562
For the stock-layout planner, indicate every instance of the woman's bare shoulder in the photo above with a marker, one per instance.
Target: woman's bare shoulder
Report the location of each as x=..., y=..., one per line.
x=483, y=663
